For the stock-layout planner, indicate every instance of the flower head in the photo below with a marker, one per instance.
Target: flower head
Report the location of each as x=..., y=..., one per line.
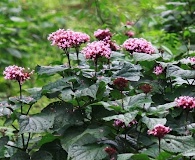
x=97, y=49
x=158, y=70
x=120, y=83
x=113, y=45
x=119, y=123
x=110, y=151
x=146, y=88
x=185, y=102
x=159, y=131
x=130, y=34
x=138, y=45
x=67, y=38
x=101, y=34
x=17, y=73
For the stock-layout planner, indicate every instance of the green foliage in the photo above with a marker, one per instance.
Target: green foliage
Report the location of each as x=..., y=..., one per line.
x=78, y=122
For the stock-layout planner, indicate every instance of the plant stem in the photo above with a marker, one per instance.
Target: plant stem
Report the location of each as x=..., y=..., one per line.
x=15, y=128
x=159, y=145
x=95, y=63
x=20, y=86
x=68, y=60
x=14, y=147
x=27, y=141
x=28, y=110
x=68, y=56
x=77, y=53
x=122, y=99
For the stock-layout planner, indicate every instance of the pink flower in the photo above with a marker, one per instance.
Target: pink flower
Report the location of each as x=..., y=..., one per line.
x=67, y=38
x=97, y=49
x=138, y=45
x=119, y=123
x=158, y=70
x=17, y=73
x=101, y=34
x=129, y=23
x=185, y=102
x=113, y=45
x=130, y=34
x=159, y=131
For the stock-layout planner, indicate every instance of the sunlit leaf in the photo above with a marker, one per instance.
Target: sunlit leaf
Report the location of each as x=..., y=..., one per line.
x=177, y=144
x=151, y=122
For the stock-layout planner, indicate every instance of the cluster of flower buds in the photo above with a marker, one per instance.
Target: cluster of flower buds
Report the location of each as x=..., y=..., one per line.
x=19, y=74
x=185, y=102
x=105, y=35
x=139, y=45
x=67, y=38
x=119, y=123
x=159, y=131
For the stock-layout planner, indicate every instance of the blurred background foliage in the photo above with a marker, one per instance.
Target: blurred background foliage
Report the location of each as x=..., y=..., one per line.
x=25, y=25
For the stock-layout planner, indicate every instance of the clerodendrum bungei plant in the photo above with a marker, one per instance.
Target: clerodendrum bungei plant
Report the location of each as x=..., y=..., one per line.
x=133, y=102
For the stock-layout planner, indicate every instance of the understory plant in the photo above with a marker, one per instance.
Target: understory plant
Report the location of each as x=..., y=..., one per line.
x=129, y=101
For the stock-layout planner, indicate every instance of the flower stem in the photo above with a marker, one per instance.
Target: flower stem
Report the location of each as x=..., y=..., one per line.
x=159, y=145
x=28, y=110
x=77, y=53
x=122, y=99
x=68, y=56
x=95, y=63
x=27, y=141
x=20, y=86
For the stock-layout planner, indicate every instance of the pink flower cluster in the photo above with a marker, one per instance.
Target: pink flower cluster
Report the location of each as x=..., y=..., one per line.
x=102, y=34
x=158, y=70
x=96, y=49
x=185, y=102
x=17, y=73
x=119, y=123
x=130, y=34
x=159, y=131
x=106, y=35
x=67, y=38
x=139, y=45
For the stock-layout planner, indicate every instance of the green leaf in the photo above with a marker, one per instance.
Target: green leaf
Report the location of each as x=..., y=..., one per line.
x=189, y=153
x=58, y=85
x=129, y=71
x=14, y=52
x=49, y=70
x=151, y=122
x=145, y=57
x=87, y=152
x=3, y=142
x=35, y=124
x=90, y=91
x=140, y=157
x=124, y=156
x=17, y=19
x=78, y=136
x=126, y=118
x=55, y=149
x=177, y=144
x=63, y=115
x=163, y=156
x=137, y=101
x=175, y=71
x=20, y=155
x=42, y=155
x=47, y=138
x=152, y=151
x=161, y=109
